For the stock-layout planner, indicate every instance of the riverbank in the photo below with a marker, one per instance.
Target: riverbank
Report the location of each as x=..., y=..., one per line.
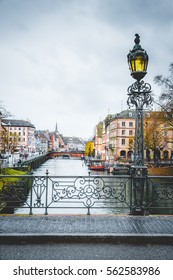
x=9, y=185
x=11, y=172
x=160, y=171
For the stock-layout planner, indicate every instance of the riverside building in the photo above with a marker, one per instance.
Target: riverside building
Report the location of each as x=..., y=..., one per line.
x=18, y=136
x=115, y=136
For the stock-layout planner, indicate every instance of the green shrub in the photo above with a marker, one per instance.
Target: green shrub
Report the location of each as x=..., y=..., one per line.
x=12, y=172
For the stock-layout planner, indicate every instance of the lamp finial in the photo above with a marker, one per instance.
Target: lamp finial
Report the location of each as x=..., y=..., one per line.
x=137, y=39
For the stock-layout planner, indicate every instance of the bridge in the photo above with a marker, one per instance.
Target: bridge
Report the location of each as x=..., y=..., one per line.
x=74, y=154
x=35, y=162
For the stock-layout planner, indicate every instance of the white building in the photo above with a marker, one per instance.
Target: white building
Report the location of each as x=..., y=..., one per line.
x=19, y=136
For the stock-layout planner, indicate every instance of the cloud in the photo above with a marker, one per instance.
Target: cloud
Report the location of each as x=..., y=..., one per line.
x=66, y=61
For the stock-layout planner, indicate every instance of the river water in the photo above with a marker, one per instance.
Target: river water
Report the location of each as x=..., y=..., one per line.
x=63, y=167
x=66, y=167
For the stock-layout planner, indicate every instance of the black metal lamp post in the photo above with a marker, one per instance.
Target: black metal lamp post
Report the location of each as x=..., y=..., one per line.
x=139, y=96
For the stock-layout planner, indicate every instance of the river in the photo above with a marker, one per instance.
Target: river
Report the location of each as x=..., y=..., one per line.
x=63, y=167
x=67, y=167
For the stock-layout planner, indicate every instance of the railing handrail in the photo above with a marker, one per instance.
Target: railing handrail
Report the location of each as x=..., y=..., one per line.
x=80, y=176
x=65, y=176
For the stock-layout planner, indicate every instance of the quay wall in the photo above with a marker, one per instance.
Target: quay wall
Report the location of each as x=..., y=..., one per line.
x=34, y=162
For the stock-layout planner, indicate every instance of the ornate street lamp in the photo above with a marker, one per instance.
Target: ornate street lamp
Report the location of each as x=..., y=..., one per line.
x=138, y=60
x=139, y=96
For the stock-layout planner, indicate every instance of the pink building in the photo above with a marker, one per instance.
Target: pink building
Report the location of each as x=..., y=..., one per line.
x=116, y=137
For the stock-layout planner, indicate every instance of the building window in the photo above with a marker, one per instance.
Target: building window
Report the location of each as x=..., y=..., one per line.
x=123, y=154
x=130, y=132
x=123, y=124
x=123, y=141
x=123, y=132
x=131, y=124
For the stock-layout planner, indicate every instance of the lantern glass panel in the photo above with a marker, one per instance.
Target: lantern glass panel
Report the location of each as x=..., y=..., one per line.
x=140, y=64
x=133, y=66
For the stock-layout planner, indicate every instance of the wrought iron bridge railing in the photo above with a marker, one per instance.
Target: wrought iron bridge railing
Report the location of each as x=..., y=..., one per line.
x=101, y=194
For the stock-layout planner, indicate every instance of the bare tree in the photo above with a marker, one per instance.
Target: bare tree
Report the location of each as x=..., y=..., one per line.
x=3, y=133
x=166, y=95
x=154, y=130
x=3, y=112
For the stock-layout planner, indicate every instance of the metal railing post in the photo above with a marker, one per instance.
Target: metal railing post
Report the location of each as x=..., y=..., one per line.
x=47, y=178
x=131, y=195
x=30, y=212
x=88, y=212
x=147, y=194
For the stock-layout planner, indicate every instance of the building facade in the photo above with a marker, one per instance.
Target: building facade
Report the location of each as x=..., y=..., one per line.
x=18, y=136
x=42, y=140
x=115, y=136
x=73, y=144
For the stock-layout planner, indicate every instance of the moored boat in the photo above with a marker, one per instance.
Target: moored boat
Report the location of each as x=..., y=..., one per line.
x=120, y=169
x=97, y=165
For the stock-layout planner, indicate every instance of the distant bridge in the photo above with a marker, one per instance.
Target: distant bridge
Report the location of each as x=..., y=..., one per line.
x=75, y=154
x=35, y=162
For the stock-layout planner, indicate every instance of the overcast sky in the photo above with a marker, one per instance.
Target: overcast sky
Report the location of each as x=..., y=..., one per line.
x=65, y=61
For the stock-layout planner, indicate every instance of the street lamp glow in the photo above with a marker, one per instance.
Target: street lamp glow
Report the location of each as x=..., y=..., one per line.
x=138, y=60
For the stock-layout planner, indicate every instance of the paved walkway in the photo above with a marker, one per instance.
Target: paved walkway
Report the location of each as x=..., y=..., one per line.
x=112, y=228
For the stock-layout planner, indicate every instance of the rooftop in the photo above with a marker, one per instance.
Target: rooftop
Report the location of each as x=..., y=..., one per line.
x=17, y=123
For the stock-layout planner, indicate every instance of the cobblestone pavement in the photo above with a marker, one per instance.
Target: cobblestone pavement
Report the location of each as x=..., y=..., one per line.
x=160, y=227
x=83, y=224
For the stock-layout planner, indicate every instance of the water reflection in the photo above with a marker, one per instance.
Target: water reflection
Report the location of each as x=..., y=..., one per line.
x=63, y=167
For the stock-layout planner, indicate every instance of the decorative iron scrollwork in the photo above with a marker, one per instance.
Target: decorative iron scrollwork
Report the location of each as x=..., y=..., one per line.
x=39, y=186
x=139, y=95
x=88, y=190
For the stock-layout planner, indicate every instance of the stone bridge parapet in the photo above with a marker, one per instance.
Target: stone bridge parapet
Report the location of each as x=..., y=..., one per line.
x=74, y=154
